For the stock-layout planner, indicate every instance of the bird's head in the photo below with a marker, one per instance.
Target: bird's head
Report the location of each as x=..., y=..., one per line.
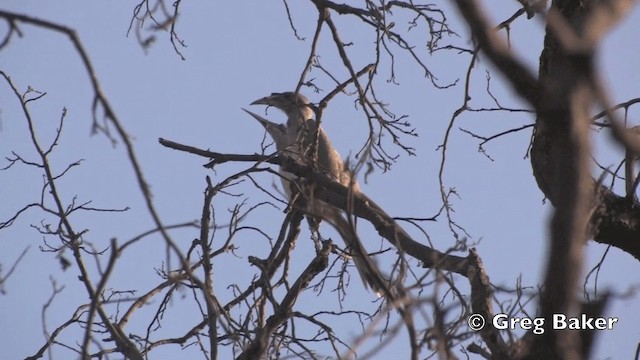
x=288, y=102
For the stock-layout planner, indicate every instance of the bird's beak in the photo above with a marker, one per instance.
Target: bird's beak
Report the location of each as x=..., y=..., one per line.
x=267, y=100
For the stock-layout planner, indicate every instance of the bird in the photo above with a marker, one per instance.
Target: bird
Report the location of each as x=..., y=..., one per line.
x=296, y=139
x=630, y=175
x=300, y=134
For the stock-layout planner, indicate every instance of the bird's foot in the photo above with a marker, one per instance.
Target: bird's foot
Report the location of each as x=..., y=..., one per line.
x=317, y=240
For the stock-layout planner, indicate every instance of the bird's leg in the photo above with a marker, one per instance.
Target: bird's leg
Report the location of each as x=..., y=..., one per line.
x=314, y=227
x=294, y=198
x=301, y=198
x=313, y=221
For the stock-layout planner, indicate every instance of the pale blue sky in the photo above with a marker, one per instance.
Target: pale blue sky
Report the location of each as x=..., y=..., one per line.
x=238, y=52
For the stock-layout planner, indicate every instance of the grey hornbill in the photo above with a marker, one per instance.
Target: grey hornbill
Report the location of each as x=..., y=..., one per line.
x=297, y=140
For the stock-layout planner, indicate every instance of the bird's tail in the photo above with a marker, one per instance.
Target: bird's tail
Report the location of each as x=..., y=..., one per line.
x=366, y=266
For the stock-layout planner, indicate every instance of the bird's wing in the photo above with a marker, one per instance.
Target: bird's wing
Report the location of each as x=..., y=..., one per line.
x=331, y=161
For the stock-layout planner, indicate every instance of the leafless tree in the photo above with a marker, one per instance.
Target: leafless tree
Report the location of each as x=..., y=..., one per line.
x=433, y=291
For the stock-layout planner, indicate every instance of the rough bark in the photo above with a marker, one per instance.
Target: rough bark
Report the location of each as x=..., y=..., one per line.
x=616, y=220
